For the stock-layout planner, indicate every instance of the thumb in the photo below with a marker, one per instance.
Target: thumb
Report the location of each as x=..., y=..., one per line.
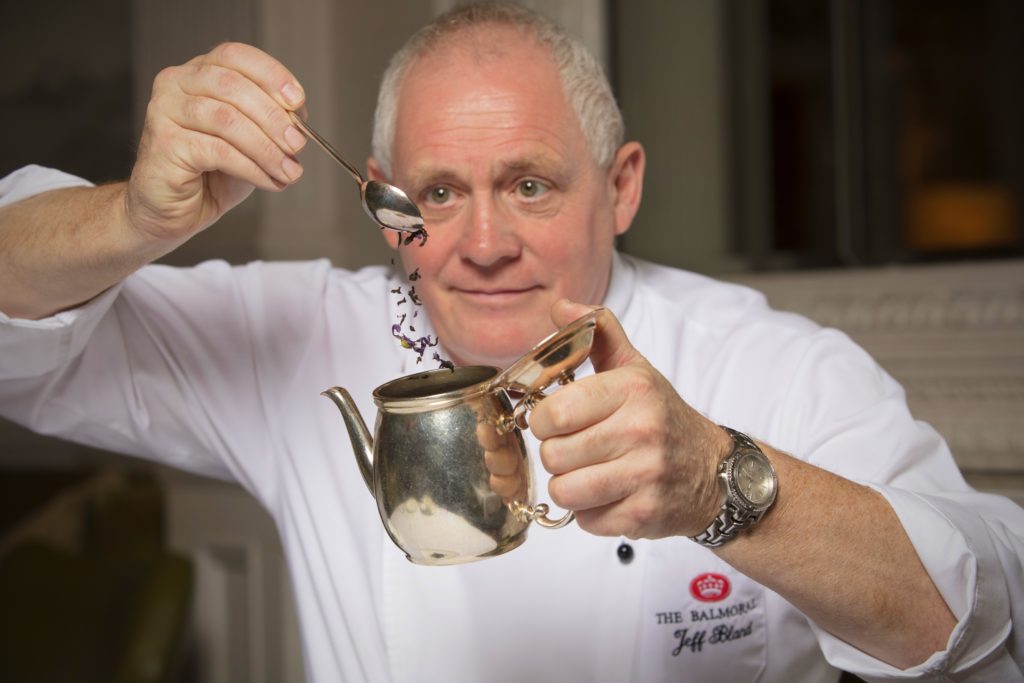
x=612, y=348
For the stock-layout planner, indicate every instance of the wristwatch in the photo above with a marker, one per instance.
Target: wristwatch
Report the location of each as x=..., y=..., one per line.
x=749, y=485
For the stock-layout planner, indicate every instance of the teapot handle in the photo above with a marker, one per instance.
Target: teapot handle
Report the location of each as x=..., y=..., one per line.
x=538, y=513
x=531, y=399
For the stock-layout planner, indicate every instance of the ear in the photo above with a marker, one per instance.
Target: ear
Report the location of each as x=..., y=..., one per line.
x=626, y=184
x=374, y=172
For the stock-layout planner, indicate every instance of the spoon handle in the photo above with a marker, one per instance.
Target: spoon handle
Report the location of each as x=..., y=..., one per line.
x=313, y=135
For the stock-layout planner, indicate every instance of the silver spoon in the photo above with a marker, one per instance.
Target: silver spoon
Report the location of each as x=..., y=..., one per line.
x=388, y=206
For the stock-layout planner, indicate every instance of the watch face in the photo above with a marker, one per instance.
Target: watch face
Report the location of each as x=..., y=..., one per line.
x=754, y=479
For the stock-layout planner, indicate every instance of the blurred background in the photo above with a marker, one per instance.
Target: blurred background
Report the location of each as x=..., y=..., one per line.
x=859, y=162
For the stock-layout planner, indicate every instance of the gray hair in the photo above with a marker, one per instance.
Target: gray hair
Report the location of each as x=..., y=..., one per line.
x=583, y=80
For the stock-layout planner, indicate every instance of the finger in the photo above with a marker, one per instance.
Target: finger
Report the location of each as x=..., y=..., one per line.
x=564, y=311
x=583, y=403
x=634, y=514
x=490, y=437
x=581, y=449
x=502, y=462
x=203, y=153
x=611, y=348
x=218, y=119
x=262, y=69
x=600, y=521
x=593, y=486
x=649, y=426
x=614, y=520
x=508, y=487
x=246, y=96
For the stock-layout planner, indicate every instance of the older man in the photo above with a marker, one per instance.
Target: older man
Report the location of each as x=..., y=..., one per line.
x=850, y=540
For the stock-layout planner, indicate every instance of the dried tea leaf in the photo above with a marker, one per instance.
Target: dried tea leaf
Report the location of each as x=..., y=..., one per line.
x=418, y=345
x=443, y=363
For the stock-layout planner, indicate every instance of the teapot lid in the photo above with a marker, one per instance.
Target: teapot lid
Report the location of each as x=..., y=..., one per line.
x=555, y=358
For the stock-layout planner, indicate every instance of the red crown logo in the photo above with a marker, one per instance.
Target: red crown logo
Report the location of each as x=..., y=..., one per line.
x=710, y=587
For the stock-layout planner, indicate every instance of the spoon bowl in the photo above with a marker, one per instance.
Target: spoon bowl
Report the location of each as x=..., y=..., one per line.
x=390, y=207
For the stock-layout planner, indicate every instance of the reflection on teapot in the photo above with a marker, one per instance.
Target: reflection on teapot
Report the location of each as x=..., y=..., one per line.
x=448, y=465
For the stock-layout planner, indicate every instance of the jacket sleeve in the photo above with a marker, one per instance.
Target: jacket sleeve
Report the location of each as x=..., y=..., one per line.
x=32, y=347
x=971, y=543
x=33, y=180
x=172, y=364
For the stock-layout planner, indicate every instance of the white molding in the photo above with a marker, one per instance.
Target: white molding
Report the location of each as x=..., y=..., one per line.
x=243, y=624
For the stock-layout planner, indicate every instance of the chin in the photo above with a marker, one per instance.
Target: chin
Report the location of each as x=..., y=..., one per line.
x=499, y=358
x=496, y=337
x=498, y=352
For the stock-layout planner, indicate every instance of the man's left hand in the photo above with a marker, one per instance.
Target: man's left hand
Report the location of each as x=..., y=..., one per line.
x=625, y=451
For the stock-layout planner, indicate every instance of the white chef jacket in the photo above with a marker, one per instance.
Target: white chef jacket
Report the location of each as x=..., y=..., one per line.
x=218, y=369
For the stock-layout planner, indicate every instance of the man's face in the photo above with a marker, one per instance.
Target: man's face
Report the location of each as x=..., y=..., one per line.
x=518, y=212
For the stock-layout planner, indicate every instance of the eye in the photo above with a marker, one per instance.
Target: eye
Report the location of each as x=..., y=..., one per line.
x=439, y=194
x=531, y=189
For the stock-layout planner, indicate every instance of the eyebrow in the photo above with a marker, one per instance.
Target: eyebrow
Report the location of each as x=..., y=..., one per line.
x=542, y=165
x=425, y=177
x=521, y=165
x=544, y=162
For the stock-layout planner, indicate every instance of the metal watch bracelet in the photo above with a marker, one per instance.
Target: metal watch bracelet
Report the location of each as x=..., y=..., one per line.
x=725, y=526
x=730, y=521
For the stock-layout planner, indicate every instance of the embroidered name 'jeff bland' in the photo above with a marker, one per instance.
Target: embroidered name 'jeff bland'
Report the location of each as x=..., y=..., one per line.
x=723, y=633
x=701, y=629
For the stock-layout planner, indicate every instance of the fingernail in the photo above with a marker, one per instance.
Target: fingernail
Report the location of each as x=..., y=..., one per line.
x=294, y=138
x=291, y=169
x=292, y=94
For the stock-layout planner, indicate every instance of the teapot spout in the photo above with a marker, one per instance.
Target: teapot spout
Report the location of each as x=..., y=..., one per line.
x=362, y=443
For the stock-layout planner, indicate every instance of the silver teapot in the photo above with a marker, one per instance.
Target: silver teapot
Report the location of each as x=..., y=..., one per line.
x=447, y=464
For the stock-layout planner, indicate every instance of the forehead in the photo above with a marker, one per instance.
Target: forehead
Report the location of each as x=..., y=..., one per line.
x=485, y=50
x=492, y=88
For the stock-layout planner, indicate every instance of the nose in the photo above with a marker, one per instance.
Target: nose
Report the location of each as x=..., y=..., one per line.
x=490, y=237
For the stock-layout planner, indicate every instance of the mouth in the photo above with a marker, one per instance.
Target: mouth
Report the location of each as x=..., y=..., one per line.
x=495, y=295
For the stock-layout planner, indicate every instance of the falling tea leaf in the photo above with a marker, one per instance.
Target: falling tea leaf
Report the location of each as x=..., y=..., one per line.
x=418, y=345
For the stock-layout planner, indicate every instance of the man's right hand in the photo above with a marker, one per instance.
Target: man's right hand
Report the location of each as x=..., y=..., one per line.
x=216, y=127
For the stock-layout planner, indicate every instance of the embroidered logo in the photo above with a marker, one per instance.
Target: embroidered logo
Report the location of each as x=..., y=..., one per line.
x=710, y=587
